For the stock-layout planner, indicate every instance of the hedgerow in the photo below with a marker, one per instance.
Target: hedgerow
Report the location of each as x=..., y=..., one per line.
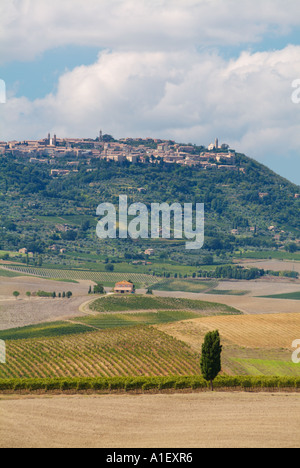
x=148, y=383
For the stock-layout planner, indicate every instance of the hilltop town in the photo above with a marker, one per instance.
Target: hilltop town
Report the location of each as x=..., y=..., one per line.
x=72, y=152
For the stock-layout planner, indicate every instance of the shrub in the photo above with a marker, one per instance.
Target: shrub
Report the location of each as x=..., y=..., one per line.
x=117, y=383
x=134, y=383
x=100, y=384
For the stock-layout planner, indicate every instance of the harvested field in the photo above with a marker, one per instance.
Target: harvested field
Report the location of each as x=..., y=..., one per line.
x=274, y=265
x=203, y=420
x=253, y=345
x=32, y=284
x=261, y=287
x=21, y=313
x=258, y=331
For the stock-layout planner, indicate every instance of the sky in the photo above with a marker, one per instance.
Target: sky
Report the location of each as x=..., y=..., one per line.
x=186, y=70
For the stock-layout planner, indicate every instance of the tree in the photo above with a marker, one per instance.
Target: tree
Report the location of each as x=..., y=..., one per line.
x=69, y=294
x=211, y=357
x=28, y=294
x=109, y=267
x=99, y=289
x=16, y=294
x=292, y=248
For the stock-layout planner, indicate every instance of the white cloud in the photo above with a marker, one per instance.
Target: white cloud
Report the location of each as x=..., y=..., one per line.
x=30, y=27
x=182, y=95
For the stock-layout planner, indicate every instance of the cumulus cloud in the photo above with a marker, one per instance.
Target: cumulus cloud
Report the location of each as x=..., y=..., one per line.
x=159, y=72
x=30, y=27
x=186, y=96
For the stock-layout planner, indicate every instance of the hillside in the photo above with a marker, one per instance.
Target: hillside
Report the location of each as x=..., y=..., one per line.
x=44, y=214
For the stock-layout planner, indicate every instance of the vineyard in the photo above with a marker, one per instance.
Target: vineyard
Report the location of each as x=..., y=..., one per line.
x=102, y=277
x=119, y=303
x=141, y=351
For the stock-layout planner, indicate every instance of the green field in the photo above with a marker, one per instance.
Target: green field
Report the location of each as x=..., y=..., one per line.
x=190, y=285
x=104, y=321
x=107, y=279
x=9, y=274
x=119, y=303
x=293, y=296
x=270, y=254
x=43, y=330
x=257, y=367
x=227, y=292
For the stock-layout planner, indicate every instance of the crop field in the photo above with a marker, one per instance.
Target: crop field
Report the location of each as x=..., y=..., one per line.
x=252, y=344
x=9, y=274
x=271, y=254
x=109, y=353
x=194, y=286
x=43, y=330
x=135, y=302
x=200, y=420
x=293, y=296
x=104, y=321
x=100, y=321
x=96, y=276
x=227, y=292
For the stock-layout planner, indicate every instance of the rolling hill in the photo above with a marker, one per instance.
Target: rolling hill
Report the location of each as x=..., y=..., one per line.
x=45, y=214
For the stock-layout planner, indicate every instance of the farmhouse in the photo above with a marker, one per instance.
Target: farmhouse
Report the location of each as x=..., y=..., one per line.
x=124, y=287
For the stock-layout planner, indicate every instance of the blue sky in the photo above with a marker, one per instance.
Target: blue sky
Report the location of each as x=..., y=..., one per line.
x=189, y=71
x=34, y=79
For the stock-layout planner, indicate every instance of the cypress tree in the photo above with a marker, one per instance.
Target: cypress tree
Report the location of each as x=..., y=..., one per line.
x=211, y=357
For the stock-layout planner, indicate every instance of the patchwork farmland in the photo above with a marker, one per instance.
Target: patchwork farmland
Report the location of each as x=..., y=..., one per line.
x=75, y=275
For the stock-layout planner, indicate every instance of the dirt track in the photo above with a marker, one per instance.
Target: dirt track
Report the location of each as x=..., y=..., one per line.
x=152, y=421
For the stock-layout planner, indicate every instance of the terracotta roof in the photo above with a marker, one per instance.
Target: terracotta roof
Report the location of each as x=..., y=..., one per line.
x=124, y=283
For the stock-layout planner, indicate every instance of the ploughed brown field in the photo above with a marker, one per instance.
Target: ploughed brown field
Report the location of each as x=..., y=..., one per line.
x=229, y=420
